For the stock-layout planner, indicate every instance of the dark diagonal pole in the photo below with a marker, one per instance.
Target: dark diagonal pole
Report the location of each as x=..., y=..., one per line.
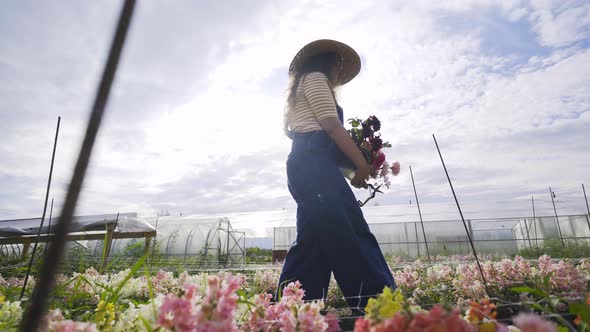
x=32, y=318
x=587, y=207
x=154, y=244
x=535, y=221
x=552, y=194
x=48, y=226
x=22, y=292
x=420, y=214
x=461, y=213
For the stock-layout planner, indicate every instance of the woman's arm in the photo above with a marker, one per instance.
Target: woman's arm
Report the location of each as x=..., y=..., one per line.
x=341, y=137
x=316, y=90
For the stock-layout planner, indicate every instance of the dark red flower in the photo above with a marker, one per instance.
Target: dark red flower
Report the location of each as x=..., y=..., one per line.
x=367, y=131
x=376, y=143
x=374, y=122
x=378, y=161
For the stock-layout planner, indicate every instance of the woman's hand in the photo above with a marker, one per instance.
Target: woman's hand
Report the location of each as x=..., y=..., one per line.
x=361, y=176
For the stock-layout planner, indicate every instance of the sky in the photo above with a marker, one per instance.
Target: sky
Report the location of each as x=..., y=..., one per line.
x=194, y=121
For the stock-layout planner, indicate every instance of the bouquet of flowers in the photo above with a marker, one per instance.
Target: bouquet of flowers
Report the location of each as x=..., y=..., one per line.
x=363, y=133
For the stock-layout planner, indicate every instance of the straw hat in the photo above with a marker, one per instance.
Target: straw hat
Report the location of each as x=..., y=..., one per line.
x=351, y=61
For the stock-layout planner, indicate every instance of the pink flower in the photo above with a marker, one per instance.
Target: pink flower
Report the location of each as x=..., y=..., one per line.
x=438, y=319
x=379, y=160
x=177, y=313
x=384, y=170
x=395, y=168
x=294, y=292
x=213, y=313
x=396, y=323
x=532, y=323
x=332, y=321
x=310, y=319
x=362, y=325
x=289, y=314
x=71, y=326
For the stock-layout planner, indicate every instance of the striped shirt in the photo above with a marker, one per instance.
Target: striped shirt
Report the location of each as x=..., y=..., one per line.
x=313, y=102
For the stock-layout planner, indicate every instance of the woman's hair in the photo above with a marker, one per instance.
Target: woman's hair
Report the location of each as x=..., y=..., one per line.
x=319, y=63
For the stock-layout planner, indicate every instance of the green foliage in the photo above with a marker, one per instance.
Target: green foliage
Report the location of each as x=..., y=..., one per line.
x=555, y=248
x=542, y=302
x=258, y=255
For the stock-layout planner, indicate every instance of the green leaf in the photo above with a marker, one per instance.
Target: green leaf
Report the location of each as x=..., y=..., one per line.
x=529, y=290
x=117, y=293
x=581, y=309
x=281, y=286
x=148, y=326
x=538, y=307
x=354, y=122
x=150, y=290
x=104, y=248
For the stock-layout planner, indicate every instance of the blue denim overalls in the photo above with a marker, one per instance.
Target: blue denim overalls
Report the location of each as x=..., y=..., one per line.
x=332, y=234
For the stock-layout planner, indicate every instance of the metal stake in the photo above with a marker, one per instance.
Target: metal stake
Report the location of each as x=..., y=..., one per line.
x=535, y=221
x=32, y=317
x=552, y=194
x=420, y=214
x=22, y=292
x=48, y=227
x=461, y=213
x=587, y=208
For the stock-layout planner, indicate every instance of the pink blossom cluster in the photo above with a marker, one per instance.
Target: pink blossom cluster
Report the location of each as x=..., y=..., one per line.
x=439, y=319
x=584, y=267
x=480, y=317
x=54, y=322
x=468, y=283
x=163, y=282
x=564, y=278
x=290, y=314
x=528, y=322
x=211, y=311
x=465, y=281
x=407, y=278
x=13, y=282
x=436, y=319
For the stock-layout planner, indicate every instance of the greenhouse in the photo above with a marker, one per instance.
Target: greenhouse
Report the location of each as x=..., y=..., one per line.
x=194, y=239
x=18, y=235
x=448, y=237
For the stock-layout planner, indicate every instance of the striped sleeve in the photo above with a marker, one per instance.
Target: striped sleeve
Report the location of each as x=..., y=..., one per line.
x=319, y=96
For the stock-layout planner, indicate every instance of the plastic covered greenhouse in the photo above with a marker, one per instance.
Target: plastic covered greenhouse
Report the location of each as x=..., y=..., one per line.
x=194, y=240
x=17, y=235
x=500, y=235
x=190, y=239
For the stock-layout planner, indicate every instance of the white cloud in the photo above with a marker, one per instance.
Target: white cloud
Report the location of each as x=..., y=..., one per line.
x=195, y=119
x=561, y=23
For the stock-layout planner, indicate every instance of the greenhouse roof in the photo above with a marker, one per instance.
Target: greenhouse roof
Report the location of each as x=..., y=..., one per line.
x=126, y=225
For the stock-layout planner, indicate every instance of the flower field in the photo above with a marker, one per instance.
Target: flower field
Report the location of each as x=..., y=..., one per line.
x=535, y=295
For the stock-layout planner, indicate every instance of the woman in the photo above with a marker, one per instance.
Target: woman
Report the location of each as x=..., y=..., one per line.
x=332, y=234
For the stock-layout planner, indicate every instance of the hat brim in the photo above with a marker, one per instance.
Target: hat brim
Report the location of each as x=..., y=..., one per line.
x=351, y=61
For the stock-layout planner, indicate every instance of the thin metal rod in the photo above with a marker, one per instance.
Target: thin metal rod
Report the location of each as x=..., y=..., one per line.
x=50, y=265
x=463, y=219
x=154, y=245
x=109, y=245
x=587, y=207
x=556, y=217
x=48, y=226
x=528, y=235
x=420, y=214
x=535, y=221
x=22, y=292
x=418, y=241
